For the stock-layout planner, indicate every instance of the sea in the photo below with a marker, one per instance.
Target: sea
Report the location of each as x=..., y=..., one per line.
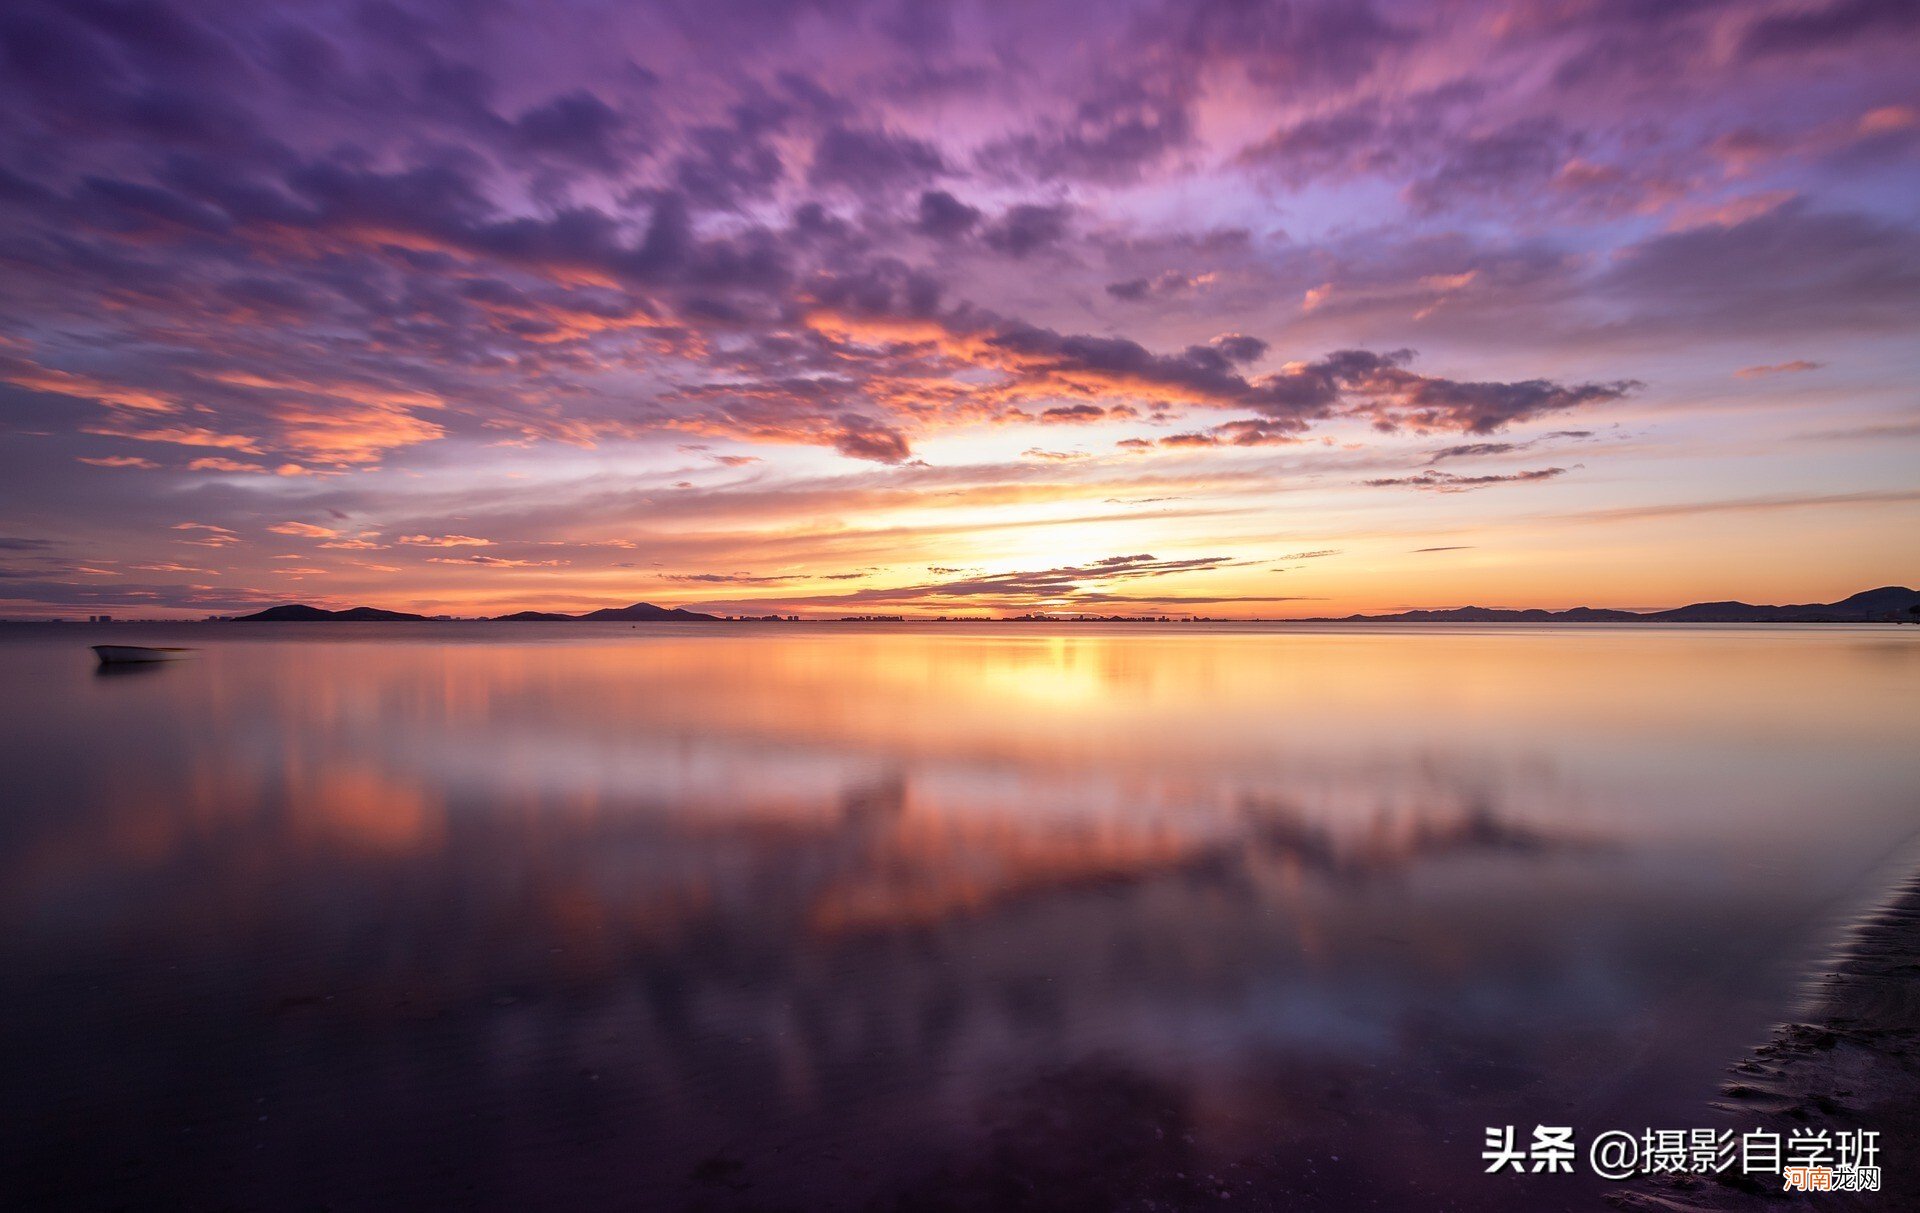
x=880, y=916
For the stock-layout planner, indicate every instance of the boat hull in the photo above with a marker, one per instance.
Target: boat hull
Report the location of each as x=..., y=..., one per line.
x=135, y=654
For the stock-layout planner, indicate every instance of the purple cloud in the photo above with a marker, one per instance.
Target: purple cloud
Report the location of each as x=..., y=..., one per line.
x=347, y=252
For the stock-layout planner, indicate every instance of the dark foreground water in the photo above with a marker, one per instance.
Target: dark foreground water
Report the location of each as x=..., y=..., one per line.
x=785, y=917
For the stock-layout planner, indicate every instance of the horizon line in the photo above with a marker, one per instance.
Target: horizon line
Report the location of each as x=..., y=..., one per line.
x=909, y=616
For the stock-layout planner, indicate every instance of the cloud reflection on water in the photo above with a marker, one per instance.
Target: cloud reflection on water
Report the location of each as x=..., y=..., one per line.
x=863, y=918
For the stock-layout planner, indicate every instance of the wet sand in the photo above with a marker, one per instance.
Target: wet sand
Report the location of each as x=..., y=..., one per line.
x=1851, y=1062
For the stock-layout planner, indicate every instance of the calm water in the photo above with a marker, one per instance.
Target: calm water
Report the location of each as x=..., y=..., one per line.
x=368, y=917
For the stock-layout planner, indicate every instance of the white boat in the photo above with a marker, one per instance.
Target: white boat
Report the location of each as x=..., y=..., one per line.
x=127, y=654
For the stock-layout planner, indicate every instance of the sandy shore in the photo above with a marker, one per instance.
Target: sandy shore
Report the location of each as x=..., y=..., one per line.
x=1852, y=1062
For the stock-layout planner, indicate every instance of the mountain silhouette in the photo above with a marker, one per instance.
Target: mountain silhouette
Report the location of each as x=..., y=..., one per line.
x=1888, y=603
x=639, y=612
x=300, y=612
x=1892, y=602
x=643, y=612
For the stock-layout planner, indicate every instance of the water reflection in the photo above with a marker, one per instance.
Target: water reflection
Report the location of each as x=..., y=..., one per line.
x=868, y=918
x=128, y=669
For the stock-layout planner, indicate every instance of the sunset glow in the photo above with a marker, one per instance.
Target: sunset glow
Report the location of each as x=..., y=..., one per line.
x=955, y=309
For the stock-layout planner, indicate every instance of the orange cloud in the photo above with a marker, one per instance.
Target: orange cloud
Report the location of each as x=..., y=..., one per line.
x=1797, y=366
x=33, y=377
x=343, y=422
x=178, y=435
x=218, y=463
x=446, y=541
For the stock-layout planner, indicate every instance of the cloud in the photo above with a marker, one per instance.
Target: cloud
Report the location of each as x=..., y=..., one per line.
x=1085, y=584
x=22, y=373
x=443, y=267
x=1835, y=24
x=1447, y=482
x=1475, y=450
x=1900, y=429
x=859, y=437
x=1522, y=155
x=1376, y=386
x=1238, y=347
x=945, y=217
x=1795, y=367
x=1289, y=48
x=1255, y=433
x=219, y=463
x=50, y=596
x=1028, y=228
x=734, y=578
x=1765, y=504
x=306, y=530
x=723, y=165
x=444, y=541
x=206, y=534
x=497, y=562
x=1190, y=439
x=1792, y=270
x=1115, y=136
x=873, y=159
x=1341, y=142
x=1070, y=413
x=380, y=260
x=1401, y=398
x=576, y=126
x=1169, y=284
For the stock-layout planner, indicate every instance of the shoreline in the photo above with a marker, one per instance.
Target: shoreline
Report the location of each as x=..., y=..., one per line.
x=1887, y=604
x=1850, y=1062
x=1371, y=621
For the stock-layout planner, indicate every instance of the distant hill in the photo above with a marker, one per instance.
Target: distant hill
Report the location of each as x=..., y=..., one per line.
x=639, y=612
x=300, y=612
x=1871, y=606
x=642, y=612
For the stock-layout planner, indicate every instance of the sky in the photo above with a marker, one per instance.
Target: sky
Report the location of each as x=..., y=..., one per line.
x=931, y=308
